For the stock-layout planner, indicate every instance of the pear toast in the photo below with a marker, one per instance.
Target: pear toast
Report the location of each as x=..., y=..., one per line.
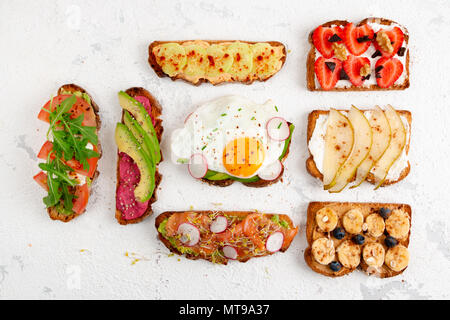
x=156, y=111
x=339, y=50
x=72, y=88
x=220, y=61
x=316, y=117
x=220, y=236
x=344, y=236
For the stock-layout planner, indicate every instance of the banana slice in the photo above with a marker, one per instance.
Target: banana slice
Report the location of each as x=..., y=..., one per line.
x=219, y=60
x=397, y=258
x=397, y=225
x=265, y=60
x=349, y=254
x=323, y=250
x=353, y=221
x=375, y=225
x=242, y=60
x=197, y=62
x=171, y=57
x=373, y=254
x=326, y=219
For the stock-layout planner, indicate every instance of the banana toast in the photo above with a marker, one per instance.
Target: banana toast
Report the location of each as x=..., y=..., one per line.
x=198, y=61
x=372, y=55
x=316, y=132
x=220, y=236
x=155, y=113
x=344, y=236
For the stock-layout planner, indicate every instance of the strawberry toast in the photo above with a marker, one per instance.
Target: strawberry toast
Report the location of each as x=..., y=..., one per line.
x=370, y=55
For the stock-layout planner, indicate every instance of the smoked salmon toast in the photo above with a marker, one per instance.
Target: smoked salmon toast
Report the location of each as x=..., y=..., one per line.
x=219, y=236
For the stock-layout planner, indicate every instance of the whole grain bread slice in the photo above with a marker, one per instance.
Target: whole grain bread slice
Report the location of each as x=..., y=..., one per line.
x=256, y=184
x=313, y=232
x=52, y=211
x=165, y=215
x=310, y=74
x=311, y=164
x=156, y=111
x=158, y=70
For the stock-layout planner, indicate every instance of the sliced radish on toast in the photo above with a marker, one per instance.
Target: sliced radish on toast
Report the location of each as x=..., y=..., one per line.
x=272, y=172
x=219, y=225
x=198, y=166
x=190, y=235
x=275, y=242
x=230, y=252
x=278, y=129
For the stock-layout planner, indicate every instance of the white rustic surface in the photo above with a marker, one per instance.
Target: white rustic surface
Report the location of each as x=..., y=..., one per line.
x=102, y=46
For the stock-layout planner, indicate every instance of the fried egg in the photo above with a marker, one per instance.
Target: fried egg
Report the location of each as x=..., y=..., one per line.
x=230, y=133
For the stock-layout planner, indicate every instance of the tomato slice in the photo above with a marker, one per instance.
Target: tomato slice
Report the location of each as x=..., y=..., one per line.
x=41, y=179
x=79, y=107
x=74, y=164
x=82, y=194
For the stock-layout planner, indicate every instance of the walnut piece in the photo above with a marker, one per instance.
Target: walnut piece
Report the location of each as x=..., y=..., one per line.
x=365, y=70
x=384, y=42
x=339, y=51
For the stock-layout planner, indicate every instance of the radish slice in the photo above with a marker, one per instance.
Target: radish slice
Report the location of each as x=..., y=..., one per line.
x=219, y=225
x=275, y=242
x=190, y=235
x=272, y=172
x=198, y=166
x=230, y=252
x=278, y=129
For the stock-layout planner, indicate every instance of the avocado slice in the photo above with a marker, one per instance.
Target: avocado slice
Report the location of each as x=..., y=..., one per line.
x=286, y=143
x=141, y=137
x=128, y=144
x=143, y=118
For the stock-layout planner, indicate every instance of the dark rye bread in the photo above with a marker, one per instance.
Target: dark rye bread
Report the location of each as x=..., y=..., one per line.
x=158, y=70
x=341, y=208
x=156, y=113
x=257, y=184
x=310, y=74
x=52, y=211
x=165, y=215
x=311, y=165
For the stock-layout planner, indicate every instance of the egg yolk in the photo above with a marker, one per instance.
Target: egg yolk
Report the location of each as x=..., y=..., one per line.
x=242, y=157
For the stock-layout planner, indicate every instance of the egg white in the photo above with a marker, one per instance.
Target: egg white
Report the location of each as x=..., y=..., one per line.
x=212, y=125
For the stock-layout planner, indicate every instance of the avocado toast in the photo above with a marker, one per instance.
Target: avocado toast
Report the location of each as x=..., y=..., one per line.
x=72, y=155
x=138, y=137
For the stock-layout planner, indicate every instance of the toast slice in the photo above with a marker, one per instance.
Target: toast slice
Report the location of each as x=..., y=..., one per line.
x=223, y=77
x=256, y=184
x=156, y=110
x=311, y=166
x=314, y=231
x=203, y=219
x=312, y=83
x=52, y=211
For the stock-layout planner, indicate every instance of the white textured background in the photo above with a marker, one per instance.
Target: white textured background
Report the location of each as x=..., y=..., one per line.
x=102, y=46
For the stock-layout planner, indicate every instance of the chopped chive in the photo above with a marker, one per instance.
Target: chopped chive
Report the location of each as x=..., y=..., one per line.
x=253, y=118
x=239, y=109
x=223, y=114
x=215, y=129
x=279, y=126
x=203, y=148
x=276, y=108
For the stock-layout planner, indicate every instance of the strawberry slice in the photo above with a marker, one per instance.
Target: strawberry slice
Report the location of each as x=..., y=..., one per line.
x=327, y=72
x=352, y=67
x=357, y=39
x=396, y=36
x=324, y=37
x=387, y=71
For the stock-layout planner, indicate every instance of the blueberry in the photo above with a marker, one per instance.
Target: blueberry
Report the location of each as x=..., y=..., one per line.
x=384, y=212
x=335, y=266
x=359, y=239
x=339, y=233
x=390, y=242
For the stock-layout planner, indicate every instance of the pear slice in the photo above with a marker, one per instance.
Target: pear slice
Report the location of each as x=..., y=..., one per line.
x=381, y=131
x=339, y=139
x=395, y=148
x=360, y=150
x=242, y=60
x=171, y=57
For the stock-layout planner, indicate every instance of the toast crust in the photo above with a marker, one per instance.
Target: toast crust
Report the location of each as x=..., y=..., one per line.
x=156, y=114
x=158, y=70
x=165, y=215
x=341, y=208
x=311, y=164
x=52, y=212
x=256, y=184
x=310, y=74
